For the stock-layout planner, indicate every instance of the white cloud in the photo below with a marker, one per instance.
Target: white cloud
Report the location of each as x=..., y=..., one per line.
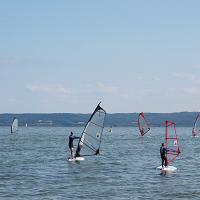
x=51, y=89
x=108, y=89
x=140, y=77
x=187, y=76
x=191, y=91
x=196, y=67
x=12, y=100
x=156, y=79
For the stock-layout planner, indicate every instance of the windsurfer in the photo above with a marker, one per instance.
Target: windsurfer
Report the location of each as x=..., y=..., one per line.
x=142, y=131
x=193, y=132
x=71, y=145
x=162, y=154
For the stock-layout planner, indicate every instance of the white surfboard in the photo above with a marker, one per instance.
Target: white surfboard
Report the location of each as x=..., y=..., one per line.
x=76, y=159
x=194, y=136
x=168, y=168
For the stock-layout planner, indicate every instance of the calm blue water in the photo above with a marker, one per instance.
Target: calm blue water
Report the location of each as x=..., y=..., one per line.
x=34, y=166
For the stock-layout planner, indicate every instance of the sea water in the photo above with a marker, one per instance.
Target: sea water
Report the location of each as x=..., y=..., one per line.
x=34, y=166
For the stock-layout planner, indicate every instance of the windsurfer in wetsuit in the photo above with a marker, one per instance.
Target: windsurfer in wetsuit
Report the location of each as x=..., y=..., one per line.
x=162, y=154
x=71, y=145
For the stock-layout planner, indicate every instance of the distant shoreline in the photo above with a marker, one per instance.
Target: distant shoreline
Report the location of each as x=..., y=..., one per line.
x=185, y=119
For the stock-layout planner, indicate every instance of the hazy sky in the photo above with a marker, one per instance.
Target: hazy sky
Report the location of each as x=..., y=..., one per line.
x=66, y=56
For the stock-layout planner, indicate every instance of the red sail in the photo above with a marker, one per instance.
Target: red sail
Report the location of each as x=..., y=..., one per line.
x=142, y=124
x=171, y=142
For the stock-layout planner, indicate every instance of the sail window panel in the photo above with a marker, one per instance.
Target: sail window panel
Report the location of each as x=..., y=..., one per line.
x=91, y=139
x=98, y=118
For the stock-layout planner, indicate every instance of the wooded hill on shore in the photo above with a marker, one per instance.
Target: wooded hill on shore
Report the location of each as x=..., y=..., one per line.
x=115, y=119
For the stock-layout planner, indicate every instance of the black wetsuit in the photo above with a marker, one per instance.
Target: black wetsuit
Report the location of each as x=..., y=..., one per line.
x=162, y=154
x=71, y=138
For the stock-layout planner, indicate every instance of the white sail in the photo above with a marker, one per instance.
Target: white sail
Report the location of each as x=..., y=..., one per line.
x=14, y=125
x=90, y=140
x=196, y=128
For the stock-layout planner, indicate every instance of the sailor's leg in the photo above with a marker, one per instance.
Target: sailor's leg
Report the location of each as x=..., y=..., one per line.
x=165, y=162
x=162, y=162
x=72, y=152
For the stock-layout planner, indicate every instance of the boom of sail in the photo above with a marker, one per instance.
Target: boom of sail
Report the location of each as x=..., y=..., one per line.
x=90, y=140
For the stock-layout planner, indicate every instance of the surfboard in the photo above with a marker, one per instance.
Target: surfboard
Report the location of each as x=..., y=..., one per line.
x=168, y=168
x=76, y=159
x=195, y=136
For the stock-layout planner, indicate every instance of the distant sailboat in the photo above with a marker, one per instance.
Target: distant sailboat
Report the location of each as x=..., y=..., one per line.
x=110, y=129
x=90, y=140
x=26, y=125
x=196, y=127
x=142, y=124
x=14, y=125
x=171, y=145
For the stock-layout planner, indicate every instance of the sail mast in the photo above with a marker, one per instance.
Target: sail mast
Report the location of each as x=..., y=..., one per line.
x=166, y=140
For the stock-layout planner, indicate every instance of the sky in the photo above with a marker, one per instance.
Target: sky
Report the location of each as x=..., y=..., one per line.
x=67, y=56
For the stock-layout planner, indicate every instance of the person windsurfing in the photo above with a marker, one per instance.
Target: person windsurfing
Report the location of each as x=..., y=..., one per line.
x=193, y=132
x=71, y=145
x=163, y=155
